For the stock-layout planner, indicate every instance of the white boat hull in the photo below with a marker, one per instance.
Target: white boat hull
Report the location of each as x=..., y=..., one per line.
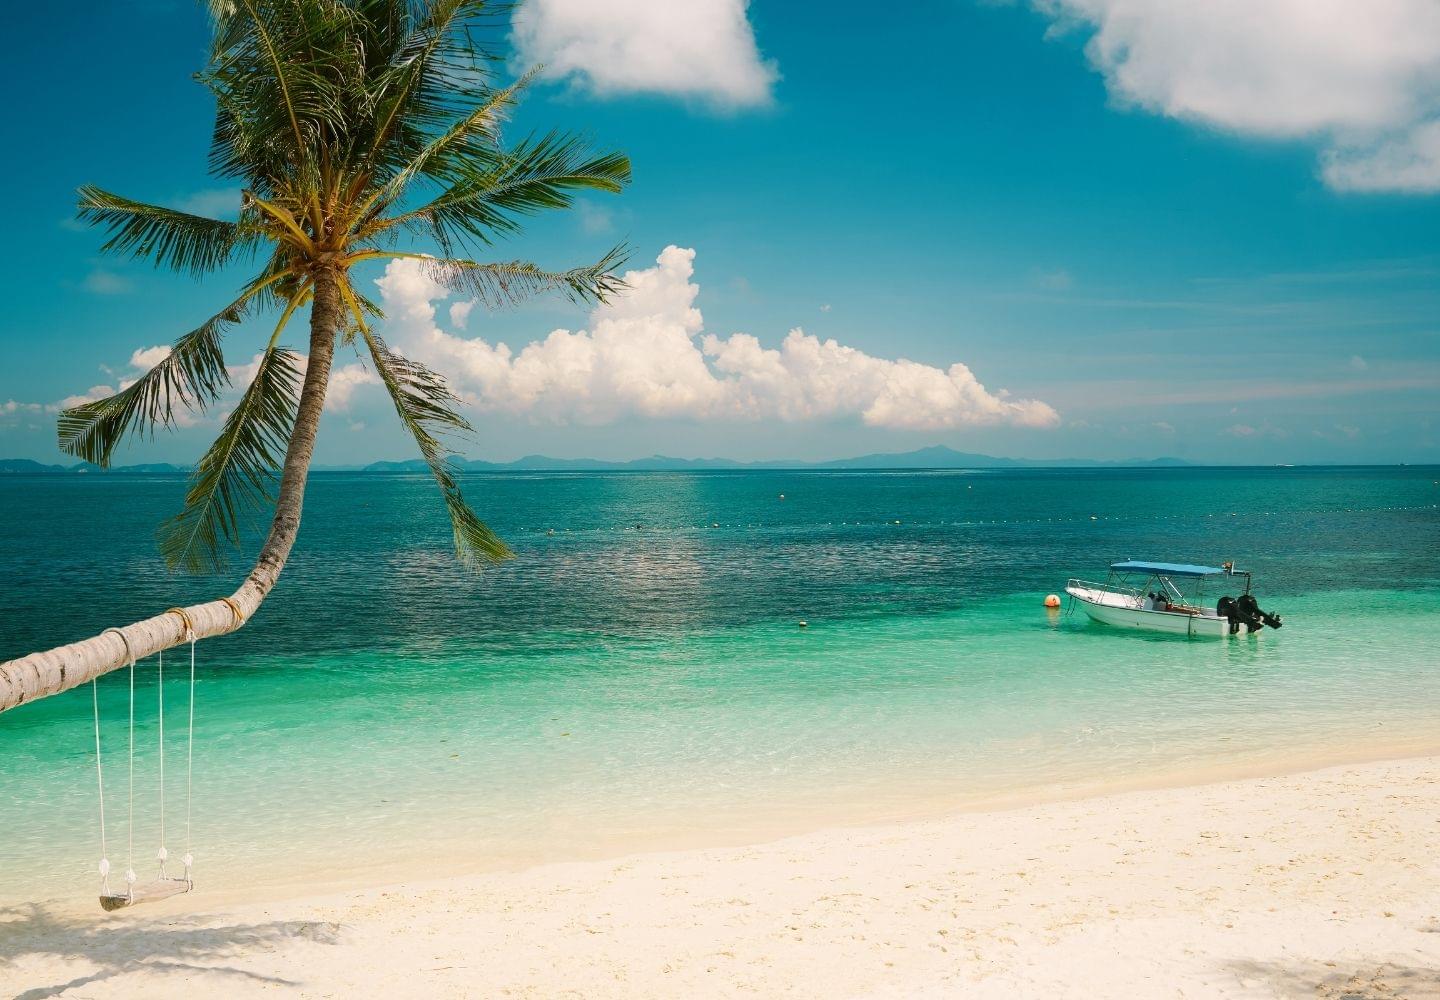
x=1124, y=611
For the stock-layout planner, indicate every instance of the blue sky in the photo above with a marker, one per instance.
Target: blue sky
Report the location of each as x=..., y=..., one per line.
x=1180, y=232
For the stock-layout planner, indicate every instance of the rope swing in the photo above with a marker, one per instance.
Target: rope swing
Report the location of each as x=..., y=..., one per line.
x=164, y=884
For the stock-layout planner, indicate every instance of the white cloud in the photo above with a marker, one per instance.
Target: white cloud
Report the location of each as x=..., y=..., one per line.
x=460, y=312
x=645, y=354
x=338, y=395
x=343, y=383
x=145, y=358
x=90, y=395
x=1408, y=162
x=696, y=49
x=1357, y=363
x=1363, y=78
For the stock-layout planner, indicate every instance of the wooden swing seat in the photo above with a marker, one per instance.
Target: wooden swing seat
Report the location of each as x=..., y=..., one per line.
x=149, y=892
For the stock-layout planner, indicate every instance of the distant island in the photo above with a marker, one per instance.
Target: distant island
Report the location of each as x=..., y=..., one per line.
x=935, y=457
x=28, y=467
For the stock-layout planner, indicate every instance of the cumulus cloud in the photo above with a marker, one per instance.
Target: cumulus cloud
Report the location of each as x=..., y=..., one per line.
x=90, y=395
x=697, y=49
x=145, y=358
x=460, y=312
x=1363, y=78
x=646, y=354
x=343, y=383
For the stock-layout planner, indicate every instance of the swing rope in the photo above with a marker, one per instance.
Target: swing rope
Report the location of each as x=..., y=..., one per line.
x=161, y=854
x=130, y=876
x=100, y=773
x=189, y=858
x=100, y=780
x=108, y=899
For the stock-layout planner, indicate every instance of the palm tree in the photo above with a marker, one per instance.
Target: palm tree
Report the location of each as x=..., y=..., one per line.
x=351, y=124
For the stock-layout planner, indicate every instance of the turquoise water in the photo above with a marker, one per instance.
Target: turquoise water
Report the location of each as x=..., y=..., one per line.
x=636, y=678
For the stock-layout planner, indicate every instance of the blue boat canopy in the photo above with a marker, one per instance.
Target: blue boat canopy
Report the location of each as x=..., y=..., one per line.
x=1166, y=569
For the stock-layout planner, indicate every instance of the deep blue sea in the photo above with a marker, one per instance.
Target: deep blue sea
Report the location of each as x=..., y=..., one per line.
x=636, y=676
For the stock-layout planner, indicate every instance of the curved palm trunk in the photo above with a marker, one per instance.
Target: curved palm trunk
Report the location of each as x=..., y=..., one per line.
x=64, y=667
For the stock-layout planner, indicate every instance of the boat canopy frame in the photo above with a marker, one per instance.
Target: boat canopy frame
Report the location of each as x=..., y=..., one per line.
x=1163, y=572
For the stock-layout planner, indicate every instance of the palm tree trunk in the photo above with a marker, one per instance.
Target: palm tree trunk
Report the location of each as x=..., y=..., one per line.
x=40, y=674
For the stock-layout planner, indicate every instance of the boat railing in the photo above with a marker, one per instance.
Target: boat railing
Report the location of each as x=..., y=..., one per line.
x=1108, y=588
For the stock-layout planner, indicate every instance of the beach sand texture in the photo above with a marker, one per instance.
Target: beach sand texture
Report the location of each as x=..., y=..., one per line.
x=1323, y=884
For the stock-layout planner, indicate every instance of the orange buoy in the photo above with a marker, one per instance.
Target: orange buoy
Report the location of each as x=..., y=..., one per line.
x=1052, y=601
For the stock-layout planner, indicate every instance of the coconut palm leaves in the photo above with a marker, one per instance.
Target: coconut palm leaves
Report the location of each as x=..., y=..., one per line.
x=509, y=282
x=426, y=407
x=171, y=238
x=234, y=477
x=191, y=376
x=349, y=125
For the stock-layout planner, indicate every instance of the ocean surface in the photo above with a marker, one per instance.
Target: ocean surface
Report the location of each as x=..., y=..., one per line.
x=636, y=677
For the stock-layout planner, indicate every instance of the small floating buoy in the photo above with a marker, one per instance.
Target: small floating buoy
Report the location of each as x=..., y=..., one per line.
x=782, y=496
x=802, y=623
x=1052, y=601
x=1094, y=518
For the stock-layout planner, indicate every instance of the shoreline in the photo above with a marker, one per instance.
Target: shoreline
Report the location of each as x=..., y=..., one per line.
x=749, y=829
x=1213, y=889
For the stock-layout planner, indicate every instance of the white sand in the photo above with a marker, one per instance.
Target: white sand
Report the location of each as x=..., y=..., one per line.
x=1317, y=885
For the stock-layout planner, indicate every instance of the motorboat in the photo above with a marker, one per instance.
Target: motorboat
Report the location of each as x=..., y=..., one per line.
x=1172, y=599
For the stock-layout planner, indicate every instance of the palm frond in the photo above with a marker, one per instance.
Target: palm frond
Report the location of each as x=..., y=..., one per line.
x=426, y=407
x=278, y=69
x=191, y=376
x=429, y=70
x=491, y=192
x=508, y=283
x=169, y=237
x=481, y=125
x=234, y=476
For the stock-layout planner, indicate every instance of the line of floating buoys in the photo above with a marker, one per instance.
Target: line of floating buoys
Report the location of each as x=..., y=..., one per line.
x=1079, y=518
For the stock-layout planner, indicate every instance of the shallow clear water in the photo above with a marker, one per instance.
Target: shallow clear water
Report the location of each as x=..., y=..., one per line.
x=637, y=678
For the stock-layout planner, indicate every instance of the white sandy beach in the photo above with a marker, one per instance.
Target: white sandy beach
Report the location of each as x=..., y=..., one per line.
x=1320, y=884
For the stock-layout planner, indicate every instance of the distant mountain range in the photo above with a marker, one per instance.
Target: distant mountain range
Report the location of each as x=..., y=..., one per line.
x=26, y=467
x=937, y=457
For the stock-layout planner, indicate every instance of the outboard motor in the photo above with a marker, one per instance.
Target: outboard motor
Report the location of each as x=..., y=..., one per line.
x=1245, y=610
